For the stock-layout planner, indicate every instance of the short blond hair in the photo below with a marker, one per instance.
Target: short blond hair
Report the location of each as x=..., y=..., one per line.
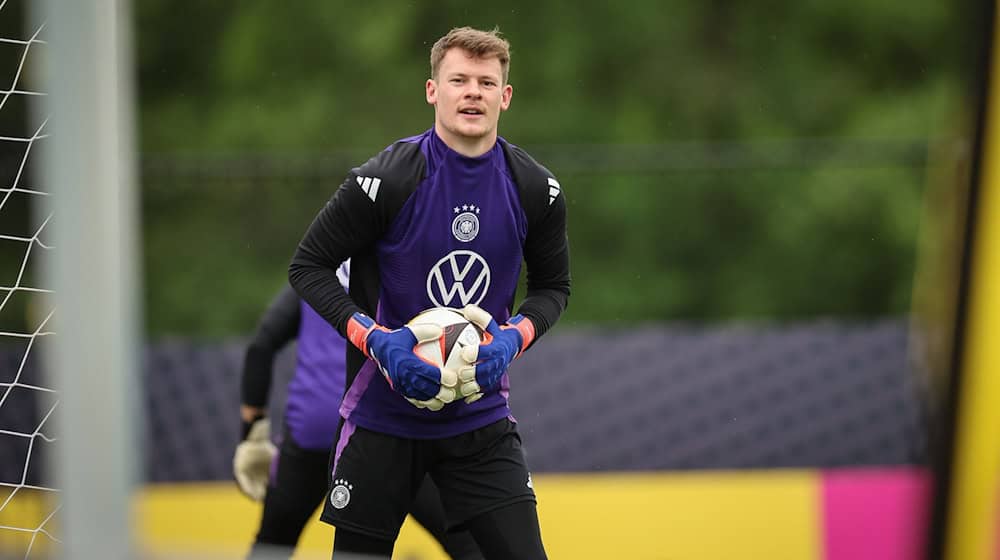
x=478, y=43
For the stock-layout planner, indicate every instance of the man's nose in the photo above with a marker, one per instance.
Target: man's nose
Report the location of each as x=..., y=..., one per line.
x=473, y=90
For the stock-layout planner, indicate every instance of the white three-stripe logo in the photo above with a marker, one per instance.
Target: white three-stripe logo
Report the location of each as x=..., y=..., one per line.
x=370, y=185
x=554, y=190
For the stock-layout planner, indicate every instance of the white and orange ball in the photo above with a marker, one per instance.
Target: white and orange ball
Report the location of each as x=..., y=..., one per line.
x=446, y=350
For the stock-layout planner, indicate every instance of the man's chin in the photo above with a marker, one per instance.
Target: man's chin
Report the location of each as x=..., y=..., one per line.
x=473, y=132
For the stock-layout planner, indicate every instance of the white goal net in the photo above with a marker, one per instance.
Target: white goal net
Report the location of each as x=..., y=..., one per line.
x=67, y=252
x=28, y=501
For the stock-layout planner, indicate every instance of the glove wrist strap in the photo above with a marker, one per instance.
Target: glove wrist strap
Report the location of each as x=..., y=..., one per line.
x=358, y=328
x=527, y=330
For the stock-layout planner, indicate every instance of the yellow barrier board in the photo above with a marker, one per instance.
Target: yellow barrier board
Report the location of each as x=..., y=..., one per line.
x=655, y=516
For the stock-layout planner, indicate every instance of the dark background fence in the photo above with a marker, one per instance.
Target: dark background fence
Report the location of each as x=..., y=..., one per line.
x=814, y=394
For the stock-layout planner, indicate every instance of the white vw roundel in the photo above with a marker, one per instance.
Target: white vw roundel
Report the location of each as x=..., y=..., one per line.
x=458, y=279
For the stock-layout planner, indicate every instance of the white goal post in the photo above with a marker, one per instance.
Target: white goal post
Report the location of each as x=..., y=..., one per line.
x=88, y=167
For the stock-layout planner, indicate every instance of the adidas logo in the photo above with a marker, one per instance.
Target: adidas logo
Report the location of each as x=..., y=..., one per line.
x=370, y=186
x=554, y=190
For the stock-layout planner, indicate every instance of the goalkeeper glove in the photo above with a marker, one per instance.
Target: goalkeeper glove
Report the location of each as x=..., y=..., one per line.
x=252, y=460
x=493, y=356
x=419, y=381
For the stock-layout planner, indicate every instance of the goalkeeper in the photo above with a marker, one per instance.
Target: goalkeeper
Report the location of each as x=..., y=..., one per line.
x=443, y=218
x=298, y=482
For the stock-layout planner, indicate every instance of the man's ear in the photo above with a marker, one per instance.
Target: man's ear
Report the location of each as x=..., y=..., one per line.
x=431, y=91
x=505, y=97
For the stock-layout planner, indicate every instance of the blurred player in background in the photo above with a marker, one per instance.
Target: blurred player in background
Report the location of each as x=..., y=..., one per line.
x=444, y=218
x=300, y=478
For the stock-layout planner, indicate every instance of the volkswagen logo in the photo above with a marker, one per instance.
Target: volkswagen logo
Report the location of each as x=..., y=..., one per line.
x=458, y=279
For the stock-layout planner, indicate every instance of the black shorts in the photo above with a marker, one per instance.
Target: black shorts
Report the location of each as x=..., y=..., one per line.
x=376, y=476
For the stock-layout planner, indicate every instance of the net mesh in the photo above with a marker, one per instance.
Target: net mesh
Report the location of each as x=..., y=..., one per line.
x=28, y=502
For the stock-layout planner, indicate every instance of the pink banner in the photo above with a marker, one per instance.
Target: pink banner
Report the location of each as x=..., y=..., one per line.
x=875, y=514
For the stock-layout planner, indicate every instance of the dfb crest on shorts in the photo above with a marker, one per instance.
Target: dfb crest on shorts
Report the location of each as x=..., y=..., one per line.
x=340, y=496
x=465, y=226
x=458, y=279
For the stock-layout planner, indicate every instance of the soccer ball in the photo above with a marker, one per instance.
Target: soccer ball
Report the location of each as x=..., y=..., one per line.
x=445, y=351
x=459, y=332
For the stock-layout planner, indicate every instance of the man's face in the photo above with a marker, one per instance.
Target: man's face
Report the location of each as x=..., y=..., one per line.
x=468, y=96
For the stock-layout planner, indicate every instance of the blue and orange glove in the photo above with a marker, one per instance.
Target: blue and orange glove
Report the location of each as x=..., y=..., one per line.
x=494, y=354
x=422, y=383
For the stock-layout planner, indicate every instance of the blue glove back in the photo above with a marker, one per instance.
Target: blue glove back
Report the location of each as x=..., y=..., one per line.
x=392, y=351
x=493, y=357
x=496, y=356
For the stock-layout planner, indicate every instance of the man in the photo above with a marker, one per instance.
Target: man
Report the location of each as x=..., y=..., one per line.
x=444, y=218
x=300, y=477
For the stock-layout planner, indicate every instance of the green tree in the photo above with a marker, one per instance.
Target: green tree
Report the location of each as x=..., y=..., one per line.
x=721, y=161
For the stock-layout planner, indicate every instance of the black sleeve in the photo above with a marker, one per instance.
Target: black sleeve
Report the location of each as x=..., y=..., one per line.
x=546, y=248
x=546, y=255
x=348, y=227
x=278, y=326
x=343, y=228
